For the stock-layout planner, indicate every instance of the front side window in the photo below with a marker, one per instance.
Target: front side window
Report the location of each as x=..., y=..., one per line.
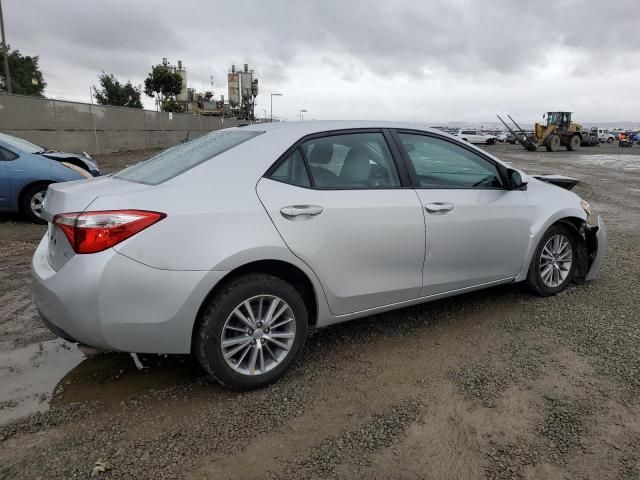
x=442, y=164
x=178, y=159
x=7, y=155
x=351, y=161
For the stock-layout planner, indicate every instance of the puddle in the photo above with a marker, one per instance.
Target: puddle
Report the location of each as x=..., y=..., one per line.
x=112, y=378
x=29, y=375
x=626, y=161
x=54, y=373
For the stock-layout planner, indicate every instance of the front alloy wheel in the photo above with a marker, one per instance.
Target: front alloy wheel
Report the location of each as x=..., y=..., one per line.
x=36, y=203
x=554, y=261
x=32, y=202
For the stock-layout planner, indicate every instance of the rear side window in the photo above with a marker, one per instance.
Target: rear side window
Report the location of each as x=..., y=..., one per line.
x=178, y=159
x=293, y=171
x=351, y=161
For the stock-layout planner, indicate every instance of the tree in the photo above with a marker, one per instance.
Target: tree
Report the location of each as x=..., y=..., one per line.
x=26, y=77
x=170, y=104
x=112, y=92
x=164, y=83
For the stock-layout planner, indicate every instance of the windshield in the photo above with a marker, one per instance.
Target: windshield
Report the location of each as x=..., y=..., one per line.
x=178, y=159
x=21, y=144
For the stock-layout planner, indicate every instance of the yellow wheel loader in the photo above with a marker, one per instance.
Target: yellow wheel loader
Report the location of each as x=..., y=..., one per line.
x=559, y=131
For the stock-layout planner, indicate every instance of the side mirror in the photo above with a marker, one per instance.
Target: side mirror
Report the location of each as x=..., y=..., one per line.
x=517, y=180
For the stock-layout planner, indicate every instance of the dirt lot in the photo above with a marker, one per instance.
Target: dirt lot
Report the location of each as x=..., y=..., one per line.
x=496, y=384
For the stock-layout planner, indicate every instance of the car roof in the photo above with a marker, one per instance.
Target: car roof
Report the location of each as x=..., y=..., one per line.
x=309, y=127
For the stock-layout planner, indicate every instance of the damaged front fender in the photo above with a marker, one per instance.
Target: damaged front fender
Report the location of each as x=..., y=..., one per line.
x=596, y=239
x=592, y=247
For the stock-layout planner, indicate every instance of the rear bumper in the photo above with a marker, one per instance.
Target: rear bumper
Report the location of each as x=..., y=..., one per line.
x=597, y=244
x=110, y=302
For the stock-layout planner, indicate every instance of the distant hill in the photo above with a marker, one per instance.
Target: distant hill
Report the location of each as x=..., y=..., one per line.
x=626, y=125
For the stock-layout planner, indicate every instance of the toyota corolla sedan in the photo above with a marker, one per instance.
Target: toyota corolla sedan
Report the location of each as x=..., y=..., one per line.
x=238, y=244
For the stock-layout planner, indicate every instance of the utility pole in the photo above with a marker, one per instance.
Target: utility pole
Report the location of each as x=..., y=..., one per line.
x=5, y=52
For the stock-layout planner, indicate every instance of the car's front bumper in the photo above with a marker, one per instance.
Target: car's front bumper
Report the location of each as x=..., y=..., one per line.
x=597, y=244
x=111, y=302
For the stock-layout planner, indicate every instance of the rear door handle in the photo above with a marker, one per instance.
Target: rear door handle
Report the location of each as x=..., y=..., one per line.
x=439, y=208
x=299, y=212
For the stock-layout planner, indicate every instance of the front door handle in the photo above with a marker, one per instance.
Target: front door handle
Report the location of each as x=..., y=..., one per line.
x=300, y=212
x=439, y=208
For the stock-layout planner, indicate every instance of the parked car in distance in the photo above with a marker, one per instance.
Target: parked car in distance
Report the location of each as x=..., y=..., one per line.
x=235, y=245
x=476, y=136
x=502, y=137
x=27, y=169
x=590, y=138
x=604, y=135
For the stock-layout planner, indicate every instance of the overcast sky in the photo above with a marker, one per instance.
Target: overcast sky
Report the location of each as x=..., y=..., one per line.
x=432, y=61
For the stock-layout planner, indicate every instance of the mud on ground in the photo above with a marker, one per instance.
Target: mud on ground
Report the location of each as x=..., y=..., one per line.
x=495, y=384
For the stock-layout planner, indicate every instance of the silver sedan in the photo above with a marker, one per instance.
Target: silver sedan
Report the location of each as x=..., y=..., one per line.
x=235, y=246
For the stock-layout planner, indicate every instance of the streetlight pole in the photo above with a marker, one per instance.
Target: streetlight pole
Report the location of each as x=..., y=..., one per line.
x=301, y=112
x=5, y=53
x=271, y=111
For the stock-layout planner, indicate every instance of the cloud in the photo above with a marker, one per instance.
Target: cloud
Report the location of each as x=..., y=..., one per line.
x=348, y=58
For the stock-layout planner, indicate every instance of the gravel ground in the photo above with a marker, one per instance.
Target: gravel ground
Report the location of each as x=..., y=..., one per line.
x=495, y=384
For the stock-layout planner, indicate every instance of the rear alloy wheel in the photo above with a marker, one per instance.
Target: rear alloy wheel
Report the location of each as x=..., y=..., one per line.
x=252, y=331
x=553, y=143
x=553, y=264
x=574, y=143
x=32, y=202
x=609, y=140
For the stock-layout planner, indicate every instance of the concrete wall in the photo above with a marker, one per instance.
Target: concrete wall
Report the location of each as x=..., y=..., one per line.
x=69, y=126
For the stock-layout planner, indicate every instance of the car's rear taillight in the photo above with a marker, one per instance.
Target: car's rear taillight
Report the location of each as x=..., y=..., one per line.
x=91, y=232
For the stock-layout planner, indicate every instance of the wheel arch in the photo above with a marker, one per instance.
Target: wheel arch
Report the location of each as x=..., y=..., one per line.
x=286, y=271
x=585, y=247
x=21, y=199
x=27, y=186
x=573, y=218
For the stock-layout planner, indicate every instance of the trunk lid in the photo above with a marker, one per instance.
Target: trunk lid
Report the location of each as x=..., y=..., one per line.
x=77, y=196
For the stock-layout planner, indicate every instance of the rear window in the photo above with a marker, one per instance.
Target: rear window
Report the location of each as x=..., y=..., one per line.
x=178, y=159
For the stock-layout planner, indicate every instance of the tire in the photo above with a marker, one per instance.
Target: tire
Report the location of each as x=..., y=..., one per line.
x=491, y=141
x=609, y=140
x=218, y=322
x=574, y=143
x=30, y=203
x=535, y=280
x=553, y=143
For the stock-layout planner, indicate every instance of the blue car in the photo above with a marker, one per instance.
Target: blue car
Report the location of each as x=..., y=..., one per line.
x=26, y=170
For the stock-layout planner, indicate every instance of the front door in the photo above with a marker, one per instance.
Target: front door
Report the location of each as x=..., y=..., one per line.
x=477, y=230
x=339, y=205
x=6, y=156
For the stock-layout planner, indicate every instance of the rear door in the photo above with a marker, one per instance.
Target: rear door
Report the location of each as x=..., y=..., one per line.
x=477, y=230
x=342, y=206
